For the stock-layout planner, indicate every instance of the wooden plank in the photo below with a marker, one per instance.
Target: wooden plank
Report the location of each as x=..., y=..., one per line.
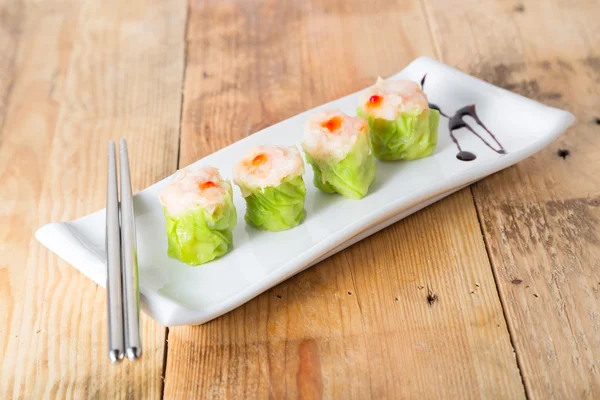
x=359, y=324
x=105, y=69
x=541, y=217
x=44, y=45
x=10, y=26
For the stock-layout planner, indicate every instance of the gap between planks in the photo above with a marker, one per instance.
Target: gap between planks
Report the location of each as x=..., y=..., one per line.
x=178, y=158
x=509, y=325
x=164, y=367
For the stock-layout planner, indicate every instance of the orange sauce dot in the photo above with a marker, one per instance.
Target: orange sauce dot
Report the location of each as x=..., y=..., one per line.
x=207, y=184
x=260, y=159
x=375, y=100
x=332, y=124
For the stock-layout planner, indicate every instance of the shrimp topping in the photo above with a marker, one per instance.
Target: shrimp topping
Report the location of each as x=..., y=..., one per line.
x=330, y=135
x=190, y=189
x=265, y=166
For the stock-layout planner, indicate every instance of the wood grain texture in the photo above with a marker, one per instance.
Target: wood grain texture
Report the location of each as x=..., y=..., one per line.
x=541, y=218
x=86, y=73
x=11, y=19
x=358, y=325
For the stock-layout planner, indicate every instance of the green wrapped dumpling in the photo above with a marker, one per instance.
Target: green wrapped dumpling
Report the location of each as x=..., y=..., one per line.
x=402, y=126
x=200, y=215
x=337, y=147
x=270, y=178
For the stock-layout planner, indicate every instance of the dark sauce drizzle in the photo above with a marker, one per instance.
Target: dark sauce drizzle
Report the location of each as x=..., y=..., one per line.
x=457, y=121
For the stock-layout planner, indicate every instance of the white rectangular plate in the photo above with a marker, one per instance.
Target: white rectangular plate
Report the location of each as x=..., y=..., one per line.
x=175, y=294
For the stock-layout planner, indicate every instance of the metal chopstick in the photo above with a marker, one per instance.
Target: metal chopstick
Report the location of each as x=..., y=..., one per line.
x=133, y=342
x=113, y=262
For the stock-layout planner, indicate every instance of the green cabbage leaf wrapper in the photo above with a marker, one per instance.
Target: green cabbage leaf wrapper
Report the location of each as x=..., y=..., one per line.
x=351, y=177
x=197, y=237
x=276, y=208
x=408, y=137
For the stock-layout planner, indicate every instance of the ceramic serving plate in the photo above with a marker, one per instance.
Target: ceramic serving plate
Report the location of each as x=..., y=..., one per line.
x=176, y=294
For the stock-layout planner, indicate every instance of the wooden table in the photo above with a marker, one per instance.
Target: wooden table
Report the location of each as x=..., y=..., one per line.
x=491, y=293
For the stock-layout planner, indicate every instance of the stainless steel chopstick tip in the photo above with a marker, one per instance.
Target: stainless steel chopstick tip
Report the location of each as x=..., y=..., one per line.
x=115, y=356
x=133, y=353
